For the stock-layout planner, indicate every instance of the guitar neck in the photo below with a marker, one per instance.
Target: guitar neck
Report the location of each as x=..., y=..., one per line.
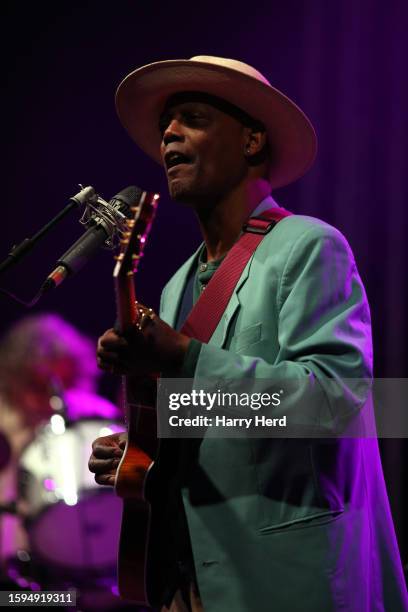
x=140, y=393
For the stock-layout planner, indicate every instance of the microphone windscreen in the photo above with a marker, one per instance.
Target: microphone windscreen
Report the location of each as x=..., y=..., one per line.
x=128, y=197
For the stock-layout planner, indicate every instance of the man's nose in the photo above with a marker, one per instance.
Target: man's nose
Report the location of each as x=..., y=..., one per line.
x=173, y=132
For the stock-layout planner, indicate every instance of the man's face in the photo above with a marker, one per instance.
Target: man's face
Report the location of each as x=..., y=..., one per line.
x=202, y=151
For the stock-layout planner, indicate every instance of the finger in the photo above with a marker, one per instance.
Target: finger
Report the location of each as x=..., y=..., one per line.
x=103, y=466
x=107, y=357
x=112, y=363
x=103, y=451
x=122, y=444
x=111, y=340
x=107, y=367
x=106, y=336
x=105, y=479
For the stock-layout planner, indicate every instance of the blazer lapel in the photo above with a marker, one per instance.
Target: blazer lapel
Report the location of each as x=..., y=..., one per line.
x=220, y=335
x=175, y=290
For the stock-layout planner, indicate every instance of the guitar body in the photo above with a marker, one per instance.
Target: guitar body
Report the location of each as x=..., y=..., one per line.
x=132, y=476
x=132, y=550
x=139, y=400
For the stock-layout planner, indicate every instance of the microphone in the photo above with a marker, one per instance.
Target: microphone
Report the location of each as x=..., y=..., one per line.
x=19, y=251
x=105, y=221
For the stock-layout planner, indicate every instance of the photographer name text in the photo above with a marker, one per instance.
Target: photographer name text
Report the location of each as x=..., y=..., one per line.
x=223, y=421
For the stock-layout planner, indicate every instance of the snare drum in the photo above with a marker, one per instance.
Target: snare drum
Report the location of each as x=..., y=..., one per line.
x=72, y=523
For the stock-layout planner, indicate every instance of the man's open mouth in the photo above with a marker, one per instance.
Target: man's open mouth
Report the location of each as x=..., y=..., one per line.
x=175, y=158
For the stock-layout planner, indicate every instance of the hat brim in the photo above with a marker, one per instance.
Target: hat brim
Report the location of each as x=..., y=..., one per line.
x=141, y=96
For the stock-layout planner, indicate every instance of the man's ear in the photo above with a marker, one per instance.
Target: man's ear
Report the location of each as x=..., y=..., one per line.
x=257, y=148
x=255, y=141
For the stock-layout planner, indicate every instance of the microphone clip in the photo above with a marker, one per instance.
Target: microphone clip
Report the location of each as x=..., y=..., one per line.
x=107, y=214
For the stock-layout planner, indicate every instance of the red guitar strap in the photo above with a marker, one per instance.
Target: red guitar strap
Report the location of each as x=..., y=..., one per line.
x=210, y=306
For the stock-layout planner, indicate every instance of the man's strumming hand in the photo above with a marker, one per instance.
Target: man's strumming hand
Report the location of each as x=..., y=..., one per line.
x=107, y=452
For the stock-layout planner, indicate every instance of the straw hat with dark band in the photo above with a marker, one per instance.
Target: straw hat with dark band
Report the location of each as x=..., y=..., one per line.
x=142, y=95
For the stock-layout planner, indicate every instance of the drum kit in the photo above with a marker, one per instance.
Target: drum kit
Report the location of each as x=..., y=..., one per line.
x=72, y=524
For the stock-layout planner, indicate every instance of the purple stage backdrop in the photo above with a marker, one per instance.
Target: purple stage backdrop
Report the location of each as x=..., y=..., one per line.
x=343, y=62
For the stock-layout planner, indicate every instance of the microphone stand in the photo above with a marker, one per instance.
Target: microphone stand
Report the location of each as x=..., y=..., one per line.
x=19, y=251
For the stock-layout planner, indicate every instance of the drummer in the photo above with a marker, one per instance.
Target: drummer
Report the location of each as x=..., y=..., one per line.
x=46, y=367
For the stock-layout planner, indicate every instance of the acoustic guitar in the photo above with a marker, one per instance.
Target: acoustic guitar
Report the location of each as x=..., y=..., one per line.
x=139, y=411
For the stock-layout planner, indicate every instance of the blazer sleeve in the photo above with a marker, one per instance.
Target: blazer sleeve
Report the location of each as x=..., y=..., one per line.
x=324, y=337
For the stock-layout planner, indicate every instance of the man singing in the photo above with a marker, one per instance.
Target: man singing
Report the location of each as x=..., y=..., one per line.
x=253, y=525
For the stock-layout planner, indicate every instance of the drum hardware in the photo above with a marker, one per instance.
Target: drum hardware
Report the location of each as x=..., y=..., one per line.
x=71, y=522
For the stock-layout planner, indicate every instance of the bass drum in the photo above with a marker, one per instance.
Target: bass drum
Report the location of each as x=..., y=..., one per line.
x=72, y=523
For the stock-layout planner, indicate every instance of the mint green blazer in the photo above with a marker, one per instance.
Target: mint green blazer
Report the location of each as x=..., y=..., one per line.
x=290, y=525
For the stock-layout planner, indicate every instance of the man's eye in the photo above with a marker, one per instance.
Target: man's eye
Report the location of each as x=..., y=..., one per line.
x=194, y=116
x=188, y=117
x=196, y=119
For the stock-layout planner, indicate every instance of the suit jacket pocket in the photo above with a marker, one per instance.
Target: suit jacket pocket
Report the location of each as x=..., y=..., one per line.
x=313, y=520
